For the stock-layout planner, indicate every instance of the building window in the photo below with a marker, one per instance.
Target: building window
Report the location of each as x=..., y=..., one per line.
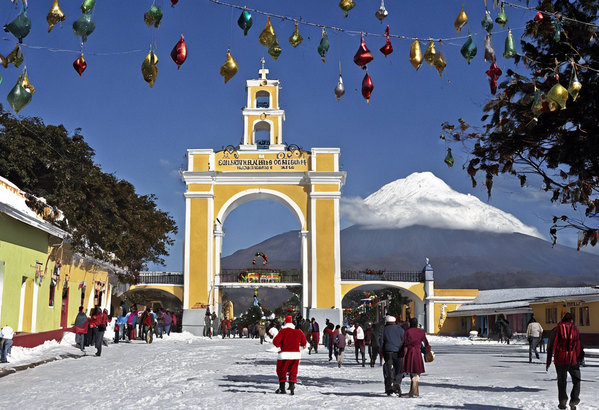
x=551, y=315
x=262, y=99
x=585, y=320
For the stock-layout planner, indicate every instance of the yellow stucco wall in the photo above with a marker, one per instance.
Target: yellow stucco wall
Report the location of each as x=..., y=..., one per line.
x=417, y=288
x=539, y=310
x=325, y=253
x=176, y=290
x=274, y=103
x=325, y=162
x=199, y=251
x=457, y=292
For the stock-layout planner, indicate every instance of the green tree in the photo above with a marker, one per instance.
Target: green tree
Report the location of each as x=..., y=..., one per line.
x=106, y=218
x=529, y=131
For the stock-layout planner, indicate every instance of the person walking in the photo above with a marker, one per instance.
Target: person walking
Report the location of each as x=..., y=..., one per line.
x=289, y=340
x=564, y=346
x=534, y=333
x=315, y=330
x=102, y=321
x=132, y=318
x=412, y=361
x=207, y=323
x=360, y=344
x=81, y=322
x=261, y=331
x=168, y=321
x=6, y=335
x=147, y=321
x=339, y=342
x=391, y=340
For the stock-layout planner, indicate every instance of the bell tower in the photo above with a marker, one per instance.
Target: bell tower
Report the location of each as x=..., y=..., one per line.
x=262, y=117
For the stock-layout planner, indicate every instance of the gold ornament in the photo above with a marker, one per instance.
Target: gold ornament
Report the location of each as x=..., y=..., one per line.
x=558, y=94
x=416, y=54
x=440, y=63
x=430, y=53
x=275, y=49
x=296, y=38
x=346, y=5
x=268, y=36
x=575, y=85
x=149, y=69
x=55, y=15
x=229, y=68
x=26, y=84
x=461, y=20
x=3, y=61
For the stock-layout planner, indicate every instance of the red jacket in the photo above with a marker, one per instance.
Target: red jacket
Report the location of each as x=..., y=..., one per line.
x=289, y=339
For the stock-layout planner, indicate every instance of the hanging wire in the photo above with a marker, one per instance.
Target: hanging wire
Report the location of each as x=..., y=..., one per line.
x=555, y=15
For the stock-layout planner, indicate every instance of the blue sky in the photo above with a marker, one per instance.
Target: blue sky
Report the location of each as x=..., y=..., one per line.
x=141, y=134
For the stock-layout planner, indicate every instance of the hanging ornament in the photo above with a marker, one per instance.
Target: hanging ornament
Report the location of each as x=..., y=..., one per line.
x=489, y=182
x=80, y=65
x=387, y=48
x=494, y=73
x=179, y=52
x=87, y=6
x=489, y=51
x=510, y=45
x=416, y=55
x=149, y=69
x=55, y=15
x=382, y=12
x=15, y=57
x=19, y=27
x=430, y=53
x=174, y=2
x=557, y=26
x=26, y=84
x=367, y=87
x=324, y=45
x=153, y=16
x=346, y=5
x=559, y=95
x=84, y=26
x=469, y=49
x=440, y=63
x=18, y=97
x=340, y=89
x=575, y=85
x=539, y=103
x=296, y=38
x=268, y=36
x=487, y=22
x=245, y=22
x=538, y=17
x=229, y=67
x=275, y=49
x=3, y=61
x=363, y=55
x=461, y=20
x=449, y=158
x=501, y=17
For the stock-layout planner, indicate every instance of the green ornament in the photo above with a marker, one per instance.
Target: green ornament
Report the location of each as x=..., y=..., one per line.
x=154, y=16
x=449, y=158
x=487, y=22
x=510, y=46
x=469, y=49
x=245, y=22
x=87, y=6
x=84, y=26
x=18, y=97
x=501, y=17
x=296, y=38
x=324, y=45
x=275, y=50
x=19, y=27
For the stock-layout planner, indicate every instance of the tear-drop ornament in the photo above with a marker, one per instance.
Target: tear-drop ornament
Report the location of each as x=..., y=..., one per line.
x=440, y=63
x=489, y=50
x=275, y=49
x=510, y=46
x=469, y=49
x=174, y=2
x=179, y=52
x=84, y=26
x=80, y=65
x=268, y=36
x=416, y=54
x=324, y=45
x=382, y=12
x=367, y=87
x=430, y=53
x=296, y=38
x=449, y=158
x=18, y=97
x=494, y=73
x=229, y=68
x=15, y=57
x=501, y=17
x=153, y=17
x=245, y=22
x=557, y=27
x=340, y=89
x=19, y=27
x=387, y=48
x=363, y=55
x=346, y=6
x=55, y=15
x=26, y=84
x=538, y=17
x=149, y=69
x=558, y=94
x=539, y=105
x=87, y=6
x=461, y=20
x=487, y=22
x=575, y=85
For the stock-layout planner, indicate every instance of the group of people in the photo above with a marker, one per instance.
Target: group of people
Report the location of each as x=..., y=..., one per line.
x=90, y=330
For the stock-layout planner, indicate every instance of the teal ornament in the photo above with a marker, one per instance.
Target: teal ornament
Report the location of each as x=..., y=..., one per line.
x=469, y=49
x=154, y=16
x=84, y=26
x=557, y=26
x=245, y=22
x=487, y=22
x=18, y=97
x=510, y=46
x=87, y=6
x=324, y=45
x=19, y=27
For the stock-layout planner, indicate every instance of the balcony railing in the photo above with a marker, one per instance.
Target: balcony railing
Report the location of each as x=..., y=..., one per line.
x=407, y=276
x=162, y=278
x=260, y=275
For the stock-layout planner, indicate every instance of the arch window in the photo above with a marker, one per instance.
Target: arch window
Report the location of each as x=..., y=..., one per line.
x=262, y=134
x=262, y=99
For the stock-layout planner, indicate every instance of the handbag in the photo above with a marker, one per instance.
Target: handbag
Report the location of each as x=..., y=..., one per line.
x=430, y=356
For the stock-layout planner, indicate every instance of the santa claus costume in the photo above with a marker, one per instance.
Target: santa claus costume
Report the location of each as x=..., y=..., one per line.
x=289, y=340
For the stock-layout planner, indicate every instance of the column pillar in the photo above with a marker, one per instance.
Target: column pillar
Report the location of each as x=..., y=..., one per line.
x=429, y=290
x=305, y=273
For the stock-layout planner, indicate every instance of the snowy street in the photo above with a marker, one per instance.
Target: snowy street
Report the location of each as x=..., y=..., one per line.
x=183, y=371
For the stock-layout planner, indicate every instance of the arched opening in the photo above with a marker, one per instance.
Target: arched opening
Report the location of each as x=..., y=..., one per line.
x=262, y=134
x=263, y=99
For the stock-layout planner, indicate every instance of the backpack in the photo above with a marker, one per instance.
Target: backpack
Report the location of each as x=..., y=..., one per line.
x=566, y=343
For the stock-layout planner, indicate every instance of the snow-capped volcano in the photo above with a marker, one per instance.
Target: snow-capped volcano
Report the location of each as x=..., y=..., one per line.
x=423, y=199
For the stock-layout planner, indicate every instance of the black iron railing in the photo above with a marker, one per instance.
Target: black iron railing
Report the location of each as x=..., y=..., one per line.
x=407, y=276
x=162, y=278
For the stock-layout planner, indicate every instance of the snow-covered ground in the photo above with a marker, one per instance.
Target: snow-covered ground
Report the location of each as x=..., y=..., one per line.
x=187, y=372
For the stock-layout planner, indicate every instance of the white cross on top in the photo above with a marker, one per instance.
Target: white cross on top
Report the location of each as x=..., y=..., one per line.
x=263, y=71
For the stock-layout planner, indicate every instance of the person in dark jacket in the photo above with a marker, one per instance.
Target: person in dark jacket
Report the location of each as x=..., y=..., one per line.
x=564, y=346
x=339, y=342
x=81, y=328
x=412, y=361
x=102, y=321
x=390, y=343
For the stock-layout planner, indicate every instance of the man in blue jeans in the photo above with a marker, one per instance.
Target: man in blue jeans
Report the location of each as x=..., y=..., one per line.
x=6, y=335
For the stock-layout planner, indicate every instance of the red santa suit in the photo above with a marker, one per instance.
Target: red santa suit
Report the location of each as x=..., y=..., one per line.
x=289, y=340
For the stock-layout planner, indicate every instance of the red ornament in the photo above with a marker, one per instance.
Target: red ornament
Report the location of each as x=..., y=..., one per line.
x=387, y=48
x=174, y=2
x=367, y=87
x=179, y=53
x=494, y=73
x=538, y=17
x=363, y=55
x=80, y=65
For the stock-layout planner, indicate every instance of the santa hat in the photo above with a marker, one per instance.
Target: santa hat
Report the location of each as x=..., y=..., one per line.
x=288, y=319
x=390, y=319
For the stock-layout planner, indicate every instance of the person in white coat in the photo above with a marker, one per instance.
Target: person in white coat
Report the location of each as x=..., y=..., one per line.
x=534, y=333
x=6, y=335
